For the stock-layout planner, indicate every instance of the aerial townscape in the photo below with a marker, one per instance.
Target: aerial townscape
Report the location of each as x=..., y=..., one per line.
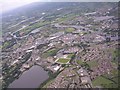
x=61, y=45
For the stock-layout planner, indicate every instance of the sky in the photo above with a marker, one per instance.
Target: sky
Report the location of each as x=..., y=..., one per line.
x=11, y=4
x=6, y=5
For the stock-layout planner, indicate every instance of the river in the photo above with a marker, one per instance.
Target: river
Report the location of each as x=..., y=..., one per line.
x=31, y=78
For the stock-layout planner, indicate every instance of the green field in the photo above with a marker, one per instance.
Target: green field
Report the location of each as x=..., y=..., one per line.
x=92, y=63
x=66, y=18
x=28, y=29
x=69, y=30
x=63, y=61
x=70, y=56
x=106, y=83
x=51, y=52
x=79, y=62
x=115, y=55
x=113, y=75
x=0, y=33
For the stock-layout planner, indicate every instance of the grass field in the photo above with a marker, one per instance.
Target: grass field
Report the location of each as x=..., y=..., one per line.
x=70, y=56
x=92, y=63
x=69, y=30
x=79, y=62
x=114, y=75
x=51, y=51
x=63, y=61
x=106, y=83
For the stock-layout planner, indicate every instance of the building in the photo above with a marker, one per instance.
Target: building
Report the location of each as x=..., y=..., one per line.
x=71, y=50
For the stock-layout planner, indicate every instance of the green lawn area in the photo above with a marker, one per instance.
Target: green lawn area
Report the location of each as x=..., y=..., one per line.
x=7, y=44
x=66, y=18
x=62, y=19
x=51, y=52
x=79, y=62
x=70, y=55
x=115, y=54
x=28, y=29
x=113, y=75
x=106, y=83
x=114, y=63
x=0, y=33
x=92, y=63
x=63, y=61
x=115, y=72
x=69, y=30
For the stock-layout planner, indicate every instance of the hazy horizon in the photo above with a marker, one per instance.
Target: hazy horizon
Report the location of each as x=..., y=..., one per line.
x=8, y=5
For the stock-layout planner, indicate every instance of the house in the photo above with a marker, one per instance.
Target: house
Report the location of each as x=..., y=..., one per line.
x=91, y=13
x=68, y=38
x=71, y=50
x=50, y=59
x=16, y=61
x=82, y=72
x=103, y=18
x=54, y=67
x=85, y=80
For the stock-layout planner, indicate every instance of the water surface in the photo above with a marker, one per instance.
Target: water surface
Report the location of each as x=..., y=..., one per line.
x=31, y=78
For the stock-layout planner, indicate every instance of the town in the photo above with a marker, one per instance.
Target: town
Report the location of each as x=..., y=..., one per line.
x=78, y=49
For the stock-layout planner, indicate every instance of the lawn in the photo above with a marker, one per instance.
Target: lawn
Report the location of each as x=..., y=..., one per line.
x=92, y=63
x=0, y=84
x=5, y=44
x=69, y=30
x=8, y=44
x=51, y=52
x=70, y=55
x=106, y=83
x=28, y=29
x=113, y=75
x=66, y=18
x=0, y=33
x=63, y=61
x=115, y=55
x=79, y=62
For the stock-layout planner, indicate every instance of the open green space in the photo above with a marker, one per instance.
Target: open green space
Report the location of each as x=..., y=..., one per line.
x=70, y=55
x=66, y=17
x=5, y=44
x=92, y=63
x=51, y=52
x=83, y=64
x=104, y=82
x=79, y=62
x=31, y=27
x=113, y=75
x=63, y=61
x=69, y=30
x=8, y=44
x=0, y=33
x=115, y=54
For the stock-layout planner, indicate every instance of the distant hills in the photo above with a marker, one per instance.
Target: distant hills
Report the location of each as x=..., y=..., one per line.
x=33, y=8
